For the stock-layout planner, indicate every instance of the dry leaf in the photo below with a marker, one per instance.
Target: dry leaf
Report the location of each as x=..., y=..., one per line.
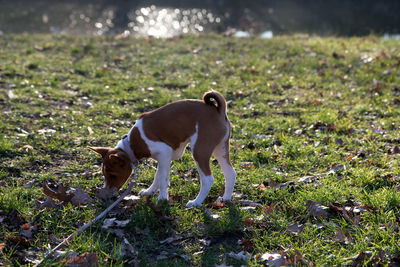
x=127, y=250
x=80, y=197
x=84, y=260
x=248, y=203
x=172, y=239
x=90, y=130
x=249, y=222
x=49, y=203
x=242, y=255
x=113, y=222
x=269, y=209
x=27, y=230
x=217, y=204
x=246, y=243
x=106, y=193
x=61, y=193
x=295, y=228
x=316, y=209
x=340, y=237
x=307, y=179
x=18, y=240
x=359, y=259
x=247, y=165
x=273, y=259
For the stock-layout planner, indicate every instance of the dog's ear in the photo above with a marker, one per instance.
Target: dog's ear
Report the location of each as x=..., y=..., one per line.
x=102, y=151
x=117, y=158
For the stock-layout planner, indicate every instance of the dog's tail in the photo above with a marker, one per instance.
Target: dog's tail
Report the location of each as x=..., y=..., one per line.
x=219, y=102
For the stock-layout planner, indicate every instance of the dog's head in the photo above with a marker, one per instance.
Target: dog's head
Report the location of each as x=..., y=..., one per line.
x=116, y=166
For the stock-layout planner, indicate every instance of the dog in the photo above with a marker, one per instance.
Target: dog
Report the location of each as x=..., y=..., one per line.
x=163, y=134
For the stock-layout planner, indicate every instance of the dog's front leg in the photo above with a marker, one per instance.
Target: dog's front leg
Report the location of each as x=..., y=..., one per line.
x=161, y=178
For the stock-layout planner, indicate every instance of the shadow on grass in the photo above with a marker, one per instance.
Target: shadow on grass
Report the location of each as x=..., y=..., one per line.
x=224, y=233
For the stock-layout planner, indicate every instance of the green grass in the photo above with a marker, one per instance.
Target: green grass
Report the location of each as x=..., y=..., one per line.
x=300, y=106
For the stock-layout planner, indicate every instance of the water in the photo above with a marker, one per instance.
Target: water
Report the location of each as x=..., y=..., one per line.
x=166, y=18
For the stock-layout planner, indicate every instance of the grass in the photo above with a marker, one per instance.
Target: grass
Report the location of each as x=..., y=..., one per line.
x=323, y=108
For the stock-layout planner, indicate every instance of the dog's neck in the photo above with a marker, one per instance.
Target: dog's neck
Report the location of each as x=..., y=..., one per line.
x=125, y=145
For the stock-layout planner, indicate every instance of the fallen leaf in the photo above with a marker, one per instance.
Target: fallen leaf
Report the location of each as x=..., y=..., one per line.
x=316, y=209
x=113, y=222
x=307, y=179
x=347, y=212
x=338, y=168
x=341, y=236
x=46, y=131
x=242, y=255
x=316, y=102
x=165, y=255
x=11, y=94
x=296, y=259
x=269, y=209
x=18, y=240
x=295, y=228
x=172, y=239
x=359, y=259
x=27, y=147
x=90, y=130
x=217, y=204
x=223, y=265
x=248, y=203
x=127, y=250
x=61, y=193
x=118, y=232
x=247, y=165
x=249, y=222
x=85, y=260
x=106, y=193
x=49, y=203
x=211, y=215
x=246, y=243
x=80, y=197
x=27, y=230
x=273, y=259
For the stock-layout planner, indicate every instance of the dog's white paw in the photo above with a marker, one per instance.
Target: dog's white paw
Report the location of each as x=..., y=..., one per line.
x=222, y=200
x=162, y=197
x=146, y=192
x=193, y=203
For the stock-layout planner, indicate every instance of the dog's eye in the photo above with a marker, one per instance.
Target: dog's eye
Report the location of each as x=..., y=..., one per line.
x=112, y=176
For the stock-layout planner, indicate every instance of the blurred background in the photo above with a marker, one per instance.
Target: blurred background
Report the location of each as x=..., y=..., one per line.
x=169, y=18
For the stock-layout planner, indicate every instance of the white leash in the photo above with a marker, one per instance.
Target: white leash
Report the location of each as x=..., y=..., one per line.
x=87, y=225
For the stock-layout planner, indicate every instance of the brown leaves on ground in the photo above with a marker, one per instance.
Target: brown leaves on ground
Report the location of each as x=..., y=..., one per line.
x=84, y=260
x=351, y=213
x=343, y=237
x=295, y=229
x=284, y=258
x=316, y=209
x=76, y=196
x=379, y=258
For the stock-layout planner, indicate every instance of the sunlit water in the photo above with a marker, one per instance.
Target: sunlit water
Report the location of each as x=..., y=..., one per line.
x=168, y=22
x=163, y=19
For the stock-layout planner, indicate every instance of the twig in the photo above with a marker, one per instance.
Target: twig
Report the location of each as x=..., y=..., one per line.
x=87, y=225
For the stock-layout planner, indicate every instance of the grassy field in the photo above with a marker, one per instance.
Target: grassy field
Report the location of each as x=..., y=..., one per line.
x=315, y=144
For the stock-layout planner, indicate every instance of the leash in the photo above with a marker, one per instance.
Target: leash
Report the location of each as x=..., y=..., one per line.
x=87, y=225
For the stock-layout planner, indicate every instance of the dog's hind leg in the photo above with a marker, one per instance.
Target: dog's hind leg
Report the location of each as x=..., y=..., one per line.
x=201, y=155
x=221, y=153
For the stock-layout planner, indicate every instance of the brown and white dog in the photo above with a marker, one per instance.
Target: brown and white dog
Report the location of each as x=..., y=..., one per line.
x=163, y=134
